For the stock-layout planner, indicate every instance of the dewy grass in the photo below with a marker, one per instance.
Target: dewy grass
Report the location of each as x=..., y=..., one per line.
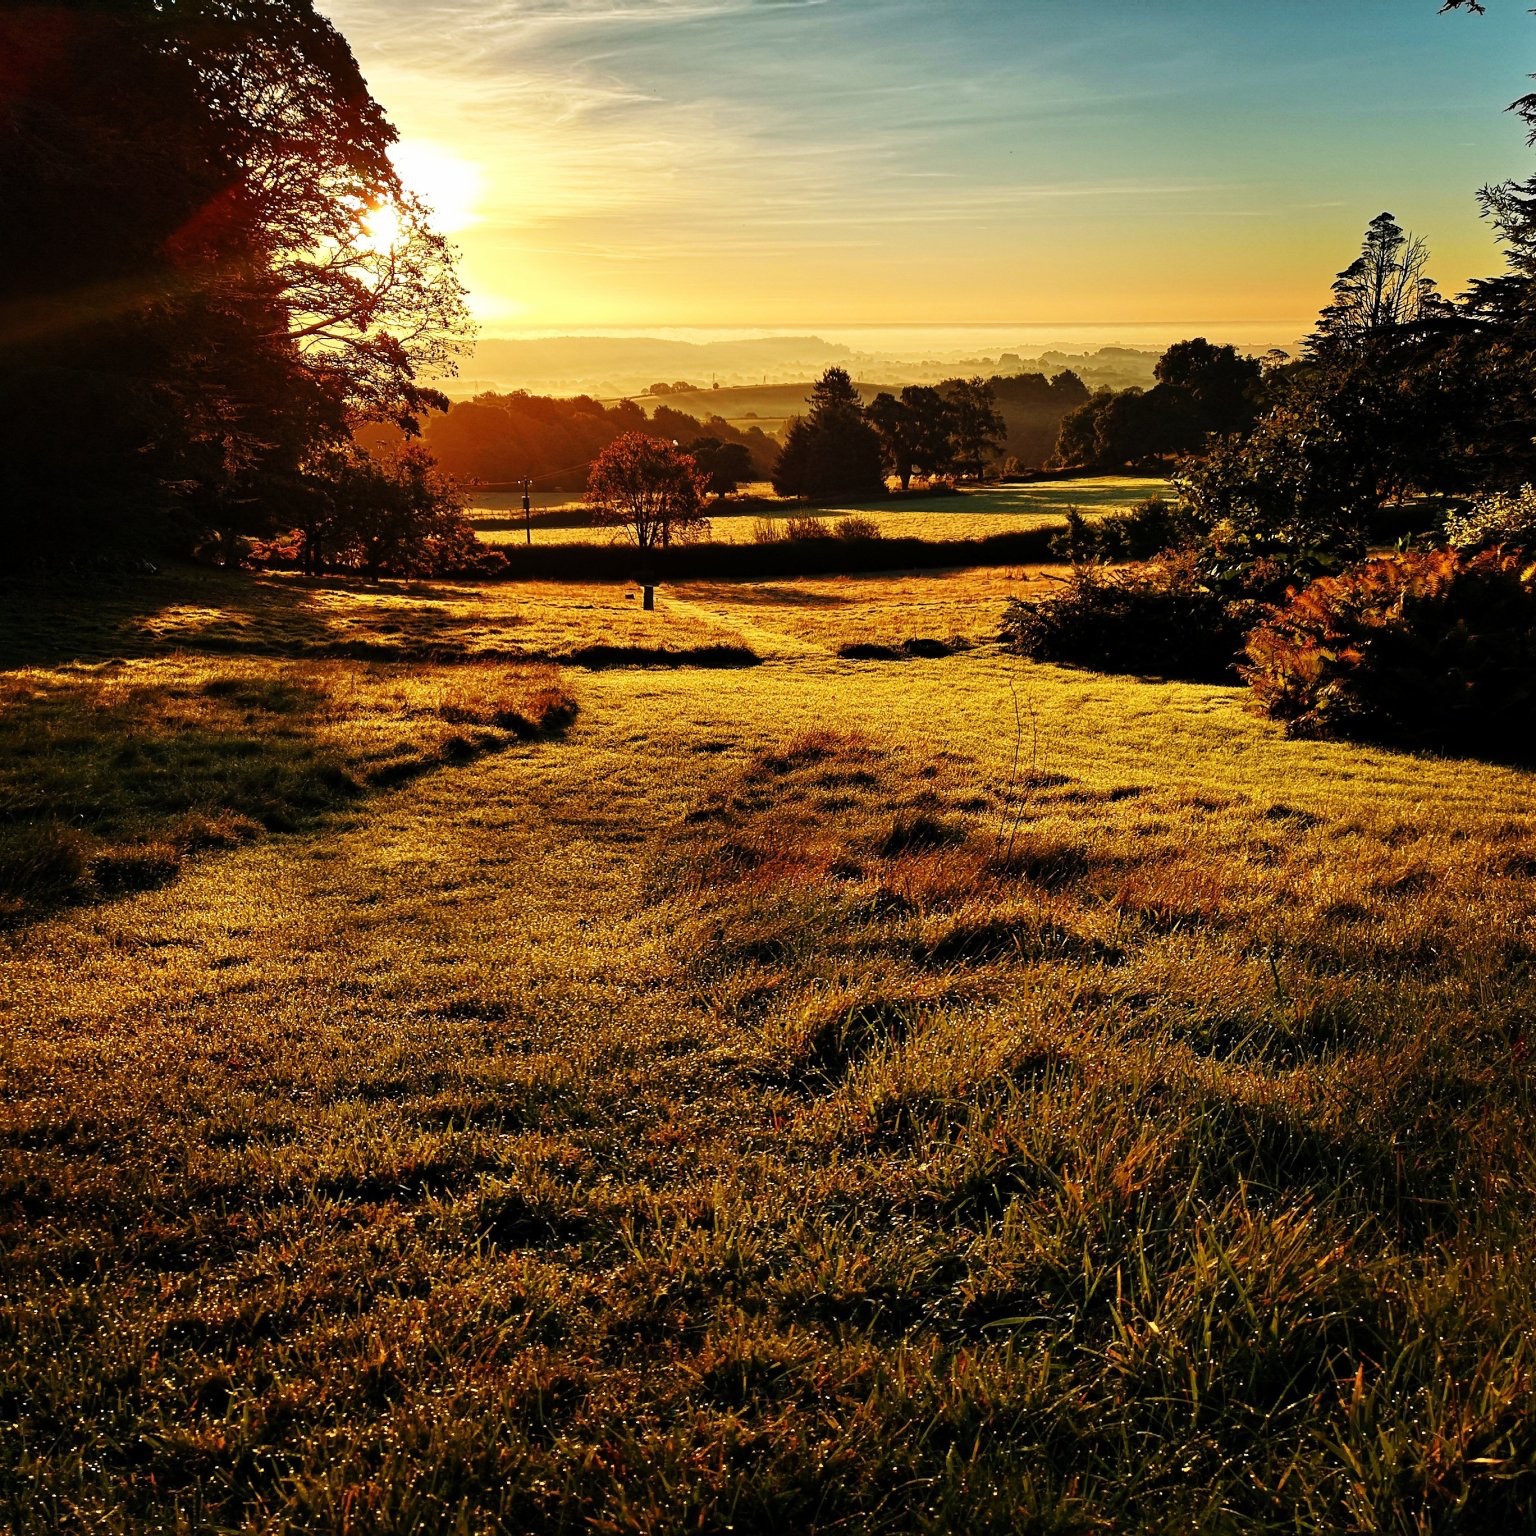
x=111, y=776
x=771, y=1108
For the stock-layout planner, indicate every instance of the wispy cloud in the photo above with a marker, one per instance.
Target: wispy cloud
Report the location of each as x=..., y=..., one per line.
x=620, y=142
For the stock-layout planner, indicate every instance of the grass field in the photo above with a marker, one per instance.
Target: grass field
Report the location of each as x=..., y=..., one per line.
x=973, y=514
x=924, y=1095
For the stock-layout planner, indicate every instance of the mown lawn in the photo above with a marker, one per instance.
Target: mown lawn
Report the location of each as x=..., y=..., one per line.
x=948, y=1094
x=975, y=513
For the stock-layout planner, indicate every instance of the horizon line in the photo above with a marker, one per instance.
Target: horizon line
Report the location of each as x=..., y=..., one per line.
x=909, y=325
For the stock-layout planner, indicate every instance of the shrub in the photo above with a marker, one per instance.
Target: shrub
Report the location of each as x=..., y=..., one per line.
x=1294, y=488
x=1505, y=520
x=1164, y=618
x=1149, y=529
x=766, y=530
x=1434, y=649
x=807, y=528
x=856, y=528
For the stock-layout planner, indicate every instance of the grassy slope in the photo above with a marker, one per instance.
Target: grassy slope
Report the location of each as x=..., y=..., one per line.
x=797, y=1097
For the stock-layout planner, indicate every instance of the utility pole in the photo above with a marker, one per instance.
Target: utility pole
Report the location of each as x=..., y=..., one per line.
x=527, y=486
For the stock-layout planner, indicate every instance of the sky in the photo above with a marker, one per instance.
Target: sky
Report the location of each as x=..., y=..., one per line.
x=809, y=164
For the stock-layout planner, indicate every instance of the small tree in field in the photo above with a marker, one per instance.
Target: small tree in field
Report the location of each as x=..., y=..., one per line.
x=649, y=488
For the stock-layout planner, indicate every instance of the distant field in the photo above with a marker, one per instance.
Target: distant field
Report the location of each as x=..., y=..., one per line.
x=767, y=406
x=972, y=514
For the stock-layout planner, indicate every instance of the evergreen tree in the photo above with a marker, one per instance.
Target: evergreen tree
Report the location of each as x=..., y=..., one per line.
x=832, y=452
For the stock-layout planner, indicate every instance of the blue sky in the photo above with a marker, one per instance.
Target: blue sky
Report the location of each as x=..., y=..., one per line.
x=786, y=162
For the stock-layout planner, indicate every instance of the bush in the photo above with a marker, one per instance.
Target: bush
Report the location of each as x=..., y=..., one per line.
x=807, y=528
x=1149, y=529
x=1294, y=489
x=1506, y=520
x=856, y=528
x=1165, y=618
x=1433, y=649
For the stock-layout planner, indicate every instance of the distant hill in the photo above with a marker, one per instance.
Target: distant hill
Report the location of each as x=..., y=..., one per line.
x=613, y=366
x=619, y=367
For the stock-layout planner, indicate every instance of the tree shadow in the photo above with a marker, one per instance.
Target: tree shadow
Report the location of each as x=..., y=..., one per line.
x=53, y=623
x=762, y=596
x=99, y=618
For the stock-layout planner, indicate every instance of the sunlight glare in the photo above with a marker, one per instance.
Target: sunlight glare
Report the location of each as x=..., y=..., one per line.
x=381, y=230
x=450, y=185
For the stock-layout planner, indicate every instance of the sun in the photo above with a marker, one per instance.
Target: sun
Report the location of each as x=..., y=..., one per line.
x=447, y=183
x=381, y=229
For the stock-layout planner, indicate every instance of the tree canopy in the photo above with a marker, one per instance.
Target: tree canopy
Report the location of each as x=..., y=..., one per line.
x=648, y=487
x=222, y=270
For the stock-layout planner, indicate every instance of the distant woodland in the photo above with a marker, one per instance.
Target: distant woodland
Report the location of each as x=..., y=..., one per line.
x=498, y=439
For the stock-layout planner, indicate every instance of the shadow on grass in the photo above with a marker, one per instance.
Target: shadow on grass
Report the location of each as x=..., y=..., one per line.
x=602, y=657
x=920, y=648
x=109, y=782
x=46, y=623
x=766, y=596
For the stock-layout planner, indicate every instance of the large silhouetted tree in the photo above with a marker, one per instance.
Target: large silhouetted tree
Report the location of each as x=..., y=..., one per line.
x=1221, y=383
x=206, y=291
x=1381, y=293
x=977, y=428
x=723, y=465
x=915, y=431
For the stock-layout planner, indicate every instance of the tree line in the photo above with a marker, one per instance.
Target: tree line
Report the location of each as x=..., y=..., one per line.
x=502, y=438
x=1260, y=567
x=1399, y=390
x=845, y=448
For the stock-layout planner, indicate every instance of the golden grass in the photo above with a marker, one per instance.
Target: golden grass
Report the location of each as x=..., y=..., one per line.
x=112, y=774
x=827, y=613
x=973, y=514
x=213, y=613
x=955, y=1094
